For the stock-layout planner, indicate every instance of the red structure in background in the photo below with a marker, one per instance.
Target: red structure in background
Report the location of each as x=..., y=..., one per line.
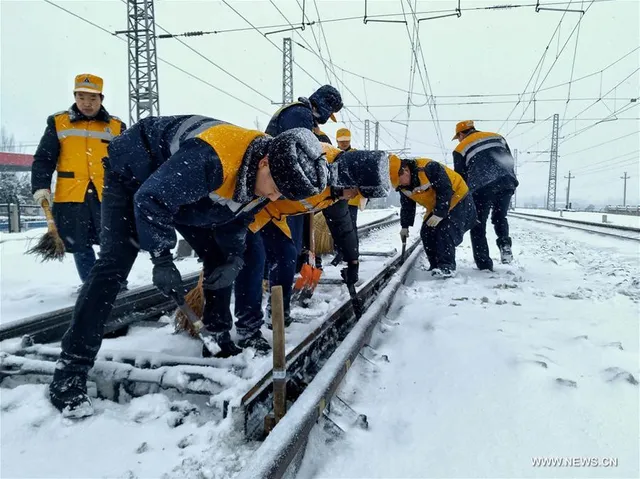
x=15, y=162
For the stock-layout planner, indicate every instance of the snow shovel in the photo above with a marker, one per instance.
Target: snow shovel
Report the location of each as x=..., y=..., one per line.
x=197, y=325
x=404, y=250
x=306, y=284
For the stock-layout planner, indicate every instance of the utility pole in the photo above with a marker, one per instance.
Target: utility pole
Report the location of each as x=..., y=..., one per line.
x=515, y=170
x=624, y=195
x=287, y=71
x=377, y=135
x=367, y=136
x=568, y=188
x=144, y=100
x=553, y=165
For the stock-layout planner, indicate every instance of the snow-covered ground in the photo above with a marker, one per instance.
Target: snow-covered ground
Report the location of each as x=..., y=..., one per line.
x=486, y=372
x=156, y=434
x=368, y=216
x=29, y=287
x=489, y=371
x=620, y=220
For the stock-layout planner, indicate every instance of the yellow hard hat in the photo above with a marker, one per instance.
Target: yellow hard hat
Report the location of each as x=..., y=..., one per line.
x=343, y=134
x=463, y=126
x=86, y=82
x=394, y=170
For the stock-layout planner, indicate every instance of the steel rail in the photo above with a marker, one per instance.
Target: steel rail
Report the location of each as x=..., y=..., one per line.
x=582, y=225
x=145, y=303
x=285, y=444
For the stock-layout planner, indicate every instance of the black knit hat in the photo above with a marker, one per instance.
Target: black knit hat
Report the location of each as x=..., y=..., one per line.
x=297, y=164
x=327, y=100
x=366, y=170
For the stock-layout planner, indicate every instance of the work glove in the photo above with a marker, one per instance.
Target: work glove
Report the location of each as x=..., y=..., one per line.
x=404, y=234
x=224, y=276
x=166, y=276
x=350, y=273
x=40, y=195
x=434, y=221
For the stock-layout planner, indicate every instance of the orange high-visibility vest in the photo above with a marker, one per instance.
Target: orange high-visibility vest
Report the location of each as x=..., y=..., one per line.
x=83, y=145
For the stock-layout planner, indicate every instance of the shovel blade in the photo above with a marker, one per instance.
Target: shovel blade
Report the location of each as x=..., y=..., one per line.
x=306, y=284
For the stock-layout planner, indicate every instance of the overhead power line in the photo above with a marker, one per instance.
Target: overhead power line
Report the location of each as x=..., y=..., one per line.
x=482, y=95
x=456, y=120
x=603, y=120
x=597, y=122
x=492, y=102
x=575, y=118
x=618, y=161
x=309, y=48
x=416, y=47
x=173, y=65
x=533, y=96
x=600, y=144
x=277, y=28
x=207, y=59
x=222, y=69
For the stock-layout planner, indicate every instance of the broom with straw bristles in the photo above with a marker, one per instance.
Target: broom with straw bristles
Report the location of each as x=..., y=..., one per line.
x=50, y=245
x=195, y=298
x=323, y=238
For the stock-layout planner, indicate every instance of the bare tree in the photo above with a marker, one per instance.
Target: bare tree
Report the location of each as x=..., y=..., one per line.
x=7, y=141
x=13, y=185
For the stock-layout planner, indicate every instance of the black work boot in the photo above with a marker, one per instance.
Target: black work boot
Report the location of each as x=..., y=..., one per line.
x=256, y=341
x=443, y=273
x=506, y=255
x=287, y=321
x=485, y=265
x=68, y=393
x=227, y=347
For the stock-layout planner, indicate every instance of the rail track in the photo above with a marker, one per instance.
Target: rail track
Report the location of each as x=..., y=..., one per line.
x=616, y=231
x=118, y=374
x=283, y=449
x=138, y=305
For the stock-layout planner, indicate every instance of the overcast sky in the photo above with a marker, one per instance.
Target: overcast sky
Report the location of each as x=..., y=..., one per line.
x=484, y=52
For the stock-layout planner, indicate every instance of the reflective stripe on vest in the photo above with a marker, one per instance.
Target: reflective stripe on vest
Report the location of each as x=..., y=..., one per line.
x=479, y=141
x=487, y=146
x=308, y=206
x=181, y=135
x=420, y=188
x=234, y=206
x=102, y=135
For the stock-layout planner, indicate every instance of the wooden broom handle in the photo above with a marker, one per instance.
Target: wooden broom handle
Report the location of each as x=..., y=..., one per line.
x=312, y=239
x=51, y=225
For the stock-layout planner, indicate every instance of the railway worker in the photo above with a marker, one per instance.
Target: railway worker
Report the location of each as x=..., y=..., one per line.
x=450, y=211
x=73, y=144
x=343, y=138
x=362, y=172
x=205, y=178
x=358, y=202
x=485, y=162
x=309, y=113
